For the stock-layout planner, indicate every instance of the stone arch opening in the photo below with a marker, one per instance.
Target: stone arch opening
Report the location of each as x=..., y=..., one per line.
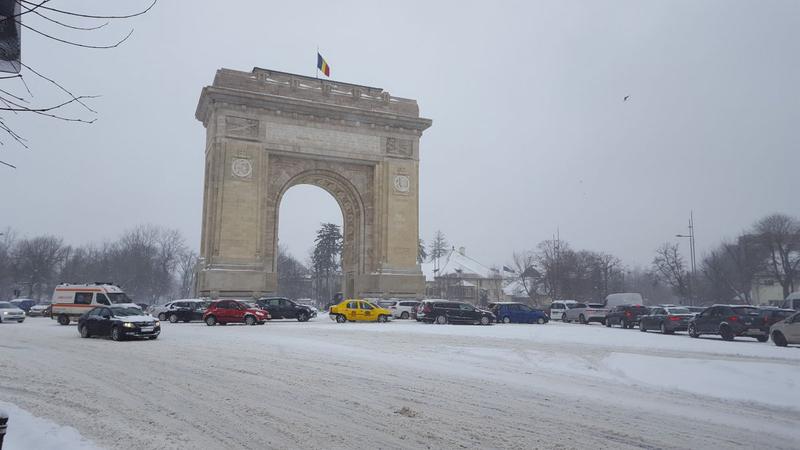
x=353, y=227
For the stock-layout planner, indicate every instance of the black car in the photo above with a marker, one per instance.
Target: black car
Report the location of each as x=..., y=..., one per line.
x=119, y=322
x=626, y=316
x=729, y=321
x=668, y=319
x=771, y=315
x=443, y=312
x=186, y=311
x=283, y=308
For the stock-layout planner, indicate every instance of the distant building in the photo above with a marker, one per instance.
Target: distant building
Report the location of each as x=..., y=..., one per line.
x=459, y=277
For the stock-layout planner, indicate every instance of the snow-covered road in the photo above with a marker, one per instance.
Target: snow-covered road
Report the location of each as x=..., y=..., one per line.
x=404, y=385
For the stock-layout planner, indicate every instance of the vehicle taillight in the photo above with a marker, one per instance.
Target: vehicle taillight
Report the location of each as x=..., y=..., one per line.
x=628, y=313
x=674, y=318
x=426, y=308
x=732, y=319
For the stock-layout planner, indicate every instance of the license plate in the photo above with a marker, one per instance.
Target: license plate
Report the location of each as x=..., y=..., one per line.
x=147, y=329
x=754, y=330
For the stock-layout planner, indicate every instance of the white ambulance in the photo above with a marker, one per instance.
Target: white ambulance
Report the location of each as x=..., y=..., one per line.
x=70, y=301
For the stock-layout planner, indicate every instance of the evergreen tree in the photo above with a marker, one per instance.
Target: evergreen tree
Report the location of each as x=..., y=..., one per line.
x=327, y=255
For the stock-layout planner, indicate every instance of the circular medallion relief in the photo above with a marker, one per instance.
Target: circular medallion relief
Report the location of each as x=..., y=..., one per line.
x=402, y=183
x=242, y=168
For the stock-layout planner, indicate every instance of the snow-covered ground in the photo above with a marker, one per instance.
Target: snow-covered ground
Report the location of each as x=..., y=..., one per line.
x=26, y=431
x=404, y=385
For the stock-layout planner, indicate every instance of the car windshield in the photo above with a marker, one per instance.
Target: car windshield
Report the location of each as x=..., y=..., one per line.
x=119, y=297
x=678, y=311
x=596, y=305
x=122, y=311
x=6, y=305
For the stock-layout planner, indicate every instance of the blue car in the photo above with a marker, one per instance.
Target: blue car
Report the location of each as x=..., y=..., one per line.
x=515, y=312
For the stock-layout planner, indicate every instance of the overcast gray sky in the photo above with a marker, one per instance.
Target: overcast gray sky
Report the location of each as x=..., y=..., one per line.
x=530, y=132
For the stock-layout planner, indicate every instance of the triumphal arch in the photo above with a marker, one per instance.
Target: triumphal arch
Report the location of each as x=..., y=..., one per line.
x=267, y=131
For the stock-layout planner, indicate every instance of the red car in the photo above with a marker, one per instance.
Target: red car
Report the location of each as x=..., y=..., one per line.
x=233, y=311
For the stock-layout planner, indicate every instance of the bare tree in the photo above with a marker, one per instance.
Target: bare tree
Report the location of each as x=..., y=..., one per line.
x=527, y=274
x=670, y=267
x=780, y=236
x=732, y=267
x=187, y=265
x=36, y=263
x=47, y=22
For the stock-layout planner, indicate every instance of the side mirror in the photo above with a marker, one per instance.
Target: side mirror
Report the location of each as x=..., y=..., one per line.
x=106, y=316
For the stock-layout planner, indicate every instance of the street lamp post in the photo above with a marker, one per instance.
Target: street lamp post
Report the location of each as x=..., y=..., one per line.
x=692, y=254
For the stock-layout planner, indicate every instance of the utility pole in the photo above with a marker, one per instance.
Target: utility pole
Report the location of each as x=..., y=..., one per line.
x=692, y=255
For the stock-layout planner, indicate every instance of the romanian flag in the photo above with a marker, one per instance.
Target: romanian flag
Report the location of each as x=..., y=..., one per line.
x=323, y=66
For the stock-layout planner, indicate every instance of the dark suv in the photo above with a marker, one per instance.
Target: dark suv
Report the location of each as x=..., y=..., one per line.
x=771, y=315
x=626, y=316
x=729, y=321
x=443, y=312
x=283, y=308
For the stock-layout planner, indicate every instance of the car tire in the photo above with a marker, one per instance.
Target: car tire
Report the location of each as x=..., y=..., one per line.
x=404, y=315
x=642, y=327
x=173, y=318
x=779, y=339
x=764, y=338
x=726, y=333
x=692, y=330
x=485, y=320
x=162, y=316
x=382, y=318
x=249, y=320
x=607, y=323
x=664, y=329
x=116, y=335
x=540, y=321
x=84, y=331
x=63, y=319
x=564, y=318
x=441, y=320
x=624, y=324
x=506, y=319
x=21, y=320
x=340, y=318
x=582, y=319
x=302, y=317
x=211, y=321
x=152, y=338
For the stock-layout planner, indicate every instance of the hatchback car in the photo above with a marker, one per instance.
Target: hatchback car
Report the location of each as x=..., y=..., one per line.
x=787, y=331
x=728, y=321
x=516, y=312
x=226, y=311
x=119, y=322
x=187, y=311
x=283, y=308
x=352, y=310
x=10, y=313
x=401, y=309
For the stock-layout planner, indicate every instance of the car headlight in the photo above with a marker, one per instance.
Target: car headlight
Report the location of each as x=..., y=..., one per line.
x=157, y=323
x=5, y=313
x=127, y=325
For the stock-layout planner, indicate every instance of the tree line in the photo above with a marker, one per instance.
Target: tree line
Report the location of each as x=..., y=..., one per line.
x=151, y=263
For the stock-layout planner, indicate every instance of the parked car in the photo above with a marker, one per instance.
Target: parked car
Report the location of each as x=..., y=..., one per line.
x=585, y=313
x=283, y=308
x=771, y=315
x=668, y=319
x=787, y=331
x=10, y=313
x=728, y=321
x=186, y=311
x=444, y=311
x=401, y=309
x=516, y=312
x=626, y=316
x=559, y=307
x=119, y=322
x=352, y=310
x=38, y=310
x=24, y=304
x=162, y=311
x=228, y=311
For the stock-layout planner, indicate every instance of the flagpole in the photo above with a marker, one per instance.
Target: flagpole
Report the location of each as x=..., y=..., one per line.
x=316, y=72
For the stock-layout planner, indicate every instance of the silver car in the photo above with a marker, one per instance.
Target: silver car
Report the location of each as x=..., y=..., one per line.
x=787, y=331
x=10, y=313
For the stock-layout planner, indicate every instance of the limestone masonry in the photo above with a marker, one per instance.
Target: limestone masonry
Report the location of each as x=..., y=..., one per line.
x=267, y=131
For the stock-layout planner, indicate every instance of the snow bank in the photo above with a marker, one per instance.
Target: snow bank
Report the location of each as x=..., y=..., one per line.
x=26, y=432
x=757, y=382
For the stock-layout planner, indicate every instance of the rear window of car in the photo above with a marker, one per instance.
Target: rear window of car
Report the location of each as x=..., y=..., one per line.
x=678, y=310
x=596, y=305
x=643, y=309
x=576, y=305
x=745, y=311
x=6, y=305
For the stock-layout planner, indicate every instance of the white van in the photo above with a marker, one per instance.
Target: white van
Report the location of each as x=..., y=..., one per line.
x=792, y=301
x=70, y=301
x=624, y=298
x=559, y=307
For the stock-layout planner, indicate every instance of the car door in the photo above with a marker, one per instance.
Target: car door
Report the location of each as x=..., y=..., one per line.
x=91, y=320
x=104, y=322
x=288, y=309
x=709, y=320
x=368, y=312
x=655, y=318
x=792, y=329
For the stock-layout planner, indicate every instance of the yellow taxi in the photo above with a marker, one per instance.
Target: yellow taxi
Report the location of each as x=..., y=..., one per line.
x=359, y=311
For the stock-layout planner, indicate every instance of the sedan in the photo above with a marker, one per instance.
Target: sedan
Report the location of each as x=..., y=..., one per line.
x=667, y=319
x=10, y=313
x=118, y=322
